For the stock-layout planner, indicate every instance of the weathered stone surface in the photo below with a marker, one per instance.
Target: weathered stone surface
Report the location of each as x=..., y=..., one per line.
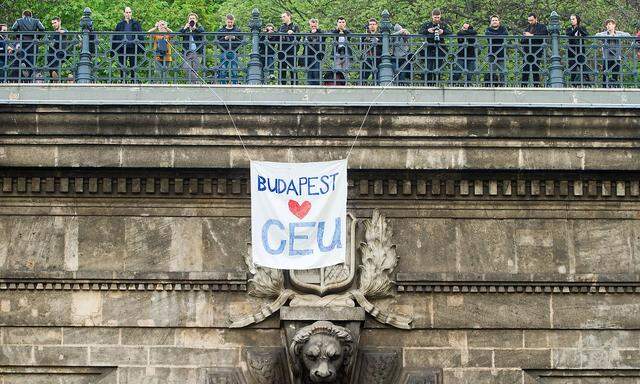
x=474, y=376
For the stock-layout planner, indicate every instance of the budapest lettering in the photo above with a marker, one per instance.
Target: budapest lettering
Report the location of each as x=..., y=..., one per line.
x=297, y=214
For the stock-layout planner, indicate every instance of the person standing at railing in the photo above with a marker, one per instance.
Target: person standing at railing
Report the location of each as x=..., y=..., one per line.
x=611, y=54
x=313, y=52
x=127, y=44
x=341, y=52
x=576, y=52
x=401, y=52
x=162, y=48
x=5, y=50
x=371, y=48
x=193, y=45
x=288, y=49
x=436, y=50
x=496, y=54
x=638, y=43
x=57, y=51
x=466, y=54
x=533, y=50
x=229, y=41
x=267, y=50
x=26, y=44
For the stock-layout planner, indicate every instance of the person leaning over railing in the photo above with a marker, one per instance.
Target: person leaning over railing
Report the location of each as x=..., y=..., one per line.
x=638, y=44
x=371, y=48
x=313, y=52
x=611, y=54
x=267, y=50
x=401, y=55
x=27, y=43
x=466, y=54
x=341, y=53
x=57, y=51
x=436, y=50
x=128, y=45
x=193, y=46
x=496, y=54
x=229, y=40
x=576, y=52
x=533, y=50
x=288, y=49
x=162, y=48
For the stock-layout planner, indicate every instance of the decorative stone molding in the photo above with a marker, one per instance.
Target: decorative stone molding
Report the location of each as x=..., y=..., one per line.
x=517, y=283
x=421, y=186
x=267, y=365
x=215, y=282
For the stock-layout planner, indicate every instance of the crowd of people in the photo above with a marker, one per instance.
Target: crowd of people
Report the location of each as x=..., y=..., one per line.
x=19, y=45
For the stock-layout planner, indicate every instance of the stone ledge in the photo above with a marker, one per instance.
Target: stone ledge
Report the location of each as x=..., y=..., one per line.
x=322, y=313
x=100, y=94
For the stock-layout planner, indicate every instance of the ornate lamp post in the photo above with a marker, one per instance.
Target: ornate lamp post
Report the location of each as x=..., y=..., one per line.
x=85, y=65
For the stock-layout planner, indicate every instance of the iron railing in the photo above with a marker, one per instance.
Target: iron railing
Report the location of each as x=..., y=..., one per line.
x=357, y=59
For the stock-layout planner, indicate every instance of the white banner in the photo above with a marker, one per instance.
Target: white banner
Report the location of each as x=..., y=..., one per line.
x=298, y=213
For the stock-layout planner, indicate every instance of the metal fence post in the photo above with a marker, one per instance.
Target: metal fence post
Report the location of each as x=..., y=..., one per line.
x=556, y=70
x=85, y=66
x=386, y=68
x=254, y=72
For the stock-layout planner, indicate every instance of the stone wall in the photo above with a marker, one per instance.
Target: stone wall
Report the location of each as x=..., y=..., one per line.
x=518, y=242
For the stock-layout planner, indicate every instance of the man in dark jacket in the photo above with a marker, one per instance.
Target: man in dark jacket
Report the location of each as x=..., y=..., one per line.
x=533, y=49
x=57, y=52
x=436, y=49
x=313, y=52
x=229, y=40
x=466, y=54
x=127, y=44
x=288, y=48
x=371, y=46
x=341, y=53
x=496, y=53
x=27, y=43
x=193, y=47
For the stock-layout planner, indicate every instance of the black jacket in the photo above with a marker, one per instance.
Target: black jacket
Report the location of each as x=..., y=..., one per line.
x=314, y=47
x=496, y=45
x=468, y=51
x=287, y=42
x=27, y=24
x=198, y=39
x=531, y=44
x=576, y=46
x=119, y=41
x=424, y=30
x=341, y=49
x=235, y=39
x=268, y=44
x=371, y=45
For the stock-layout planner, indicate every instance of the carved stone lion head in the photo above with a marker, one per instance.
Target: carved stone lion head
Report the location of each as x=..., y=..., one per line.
x=321, y=353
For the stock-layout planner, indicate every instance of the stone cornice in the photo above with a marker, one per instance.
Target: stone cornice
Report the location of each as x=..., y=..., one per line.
x=123, y=281
x=517, y=283
x=420, y=186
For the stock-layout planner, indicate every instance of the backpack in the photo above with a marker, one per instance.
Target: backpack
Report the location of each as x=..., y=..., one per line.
x=162, y=47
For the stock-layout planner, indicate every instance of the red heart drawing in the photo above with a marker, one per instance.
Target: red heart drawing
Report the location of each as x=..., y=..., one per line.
x=300, y=210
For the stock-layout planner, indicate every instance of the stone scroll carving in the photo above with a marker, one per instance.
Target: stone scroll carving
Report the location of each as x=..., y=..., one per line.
x=322, y=353
x=379, y=259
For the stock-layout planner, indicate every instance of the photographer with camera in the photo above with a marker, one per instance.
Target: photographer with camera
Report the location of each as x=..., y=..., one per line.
x=341, y=52
x=436, y=48
x=193, y=47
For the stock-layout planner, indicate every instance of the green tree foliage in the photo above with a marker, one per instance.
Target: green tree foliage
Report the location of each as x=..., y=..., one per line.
x=409, y=13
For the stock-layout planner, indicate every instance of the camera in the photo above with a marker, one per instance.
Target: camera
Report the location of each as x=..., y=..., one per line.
x=192, y=23
x=436, y=33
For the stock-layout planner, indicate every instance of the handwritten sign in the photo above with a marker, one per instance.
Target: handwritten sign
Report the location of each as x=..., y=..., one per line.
x=298, y=213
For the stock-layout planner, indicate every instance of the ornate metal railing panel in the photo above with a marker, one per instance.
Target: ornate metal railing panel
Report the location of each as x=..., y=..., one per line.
x=356, y=59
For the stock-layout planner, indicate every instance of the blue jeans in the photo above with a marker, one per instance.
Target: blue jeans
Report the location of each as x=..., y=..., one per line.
x=313, y=73
x=228, y=67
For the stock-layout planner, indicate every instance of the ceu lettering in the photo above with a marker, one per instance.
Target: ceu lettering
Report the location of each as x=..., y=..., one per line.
x=298, y=213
